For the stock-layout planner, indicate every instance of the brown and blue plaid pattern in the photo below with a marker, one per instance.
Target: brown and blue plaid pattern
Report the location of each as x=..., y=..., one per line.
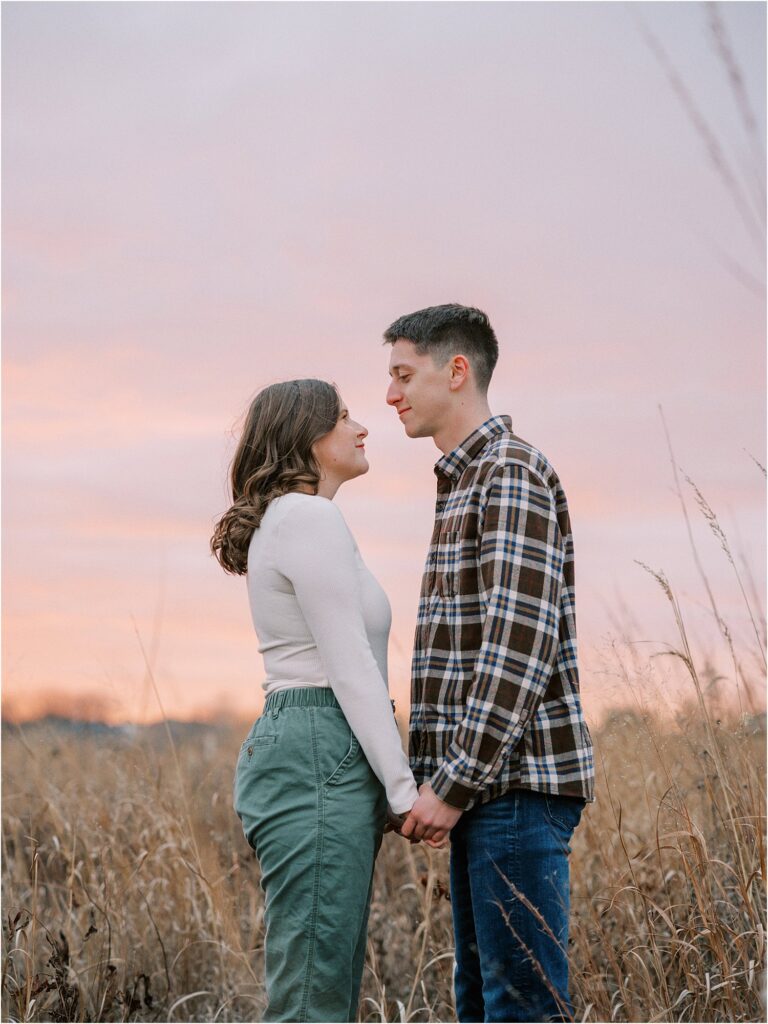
x=495, y=686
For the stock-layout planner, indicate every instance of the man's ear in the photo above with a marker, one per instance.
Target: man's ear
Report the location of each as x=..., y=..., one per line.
x=460, y=372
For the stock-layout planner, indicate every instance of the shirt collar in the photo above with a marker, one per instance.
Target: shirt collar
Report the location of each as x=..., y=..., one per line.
x=454, y=463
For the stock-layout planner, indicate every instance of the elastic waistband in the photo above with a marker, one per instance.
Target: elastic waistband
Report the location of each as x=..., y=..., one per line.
x=301, y=697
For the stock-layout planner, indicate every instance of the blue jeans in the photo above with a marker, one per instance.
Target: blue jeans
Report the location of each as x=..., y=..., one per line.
x=510, y=966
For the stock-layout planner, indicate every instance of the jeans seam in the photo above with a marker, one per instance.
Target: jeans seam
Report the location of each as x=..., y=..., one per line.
x=517, y=906
x=318, y=864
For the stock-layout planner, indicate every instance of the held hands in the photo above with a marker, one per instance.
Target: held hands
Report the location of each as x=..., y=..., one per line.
x=395, y=823
x=429, y=819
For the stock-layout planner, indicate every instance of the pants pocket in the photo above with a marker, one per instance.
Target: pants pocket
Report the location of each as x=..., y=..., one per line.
x=274, y=760
x=564, y=812
x=337, y=736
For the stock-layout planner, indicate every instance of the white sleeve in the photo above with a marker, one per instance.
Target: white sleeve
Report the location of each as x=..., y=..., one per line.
x=315, y=551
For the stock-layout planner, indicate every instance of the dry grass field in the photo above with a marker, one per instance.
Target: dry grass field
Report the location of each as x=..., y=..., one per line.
x=129, y=892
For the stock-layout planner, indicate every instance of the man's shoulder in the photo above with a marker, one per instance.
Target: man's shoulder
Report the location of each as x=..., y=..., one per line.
x=508, y=449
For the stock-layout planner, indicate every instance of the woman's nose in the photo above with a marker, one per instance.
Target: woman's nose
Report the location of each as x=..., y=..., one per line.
x=362, y=432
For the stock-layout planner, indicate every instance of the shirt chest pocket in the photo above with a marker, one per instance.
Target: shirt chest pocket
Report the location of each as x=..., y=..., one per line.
x=456, y=565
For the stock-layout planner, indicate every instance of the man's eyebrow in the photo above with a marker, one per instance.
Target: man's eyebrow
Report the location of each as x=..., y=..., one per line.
x=399, y=366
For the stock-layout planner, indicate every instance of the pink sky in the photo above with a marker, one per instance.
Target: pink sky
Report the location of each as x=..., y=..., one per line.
x=200, y=199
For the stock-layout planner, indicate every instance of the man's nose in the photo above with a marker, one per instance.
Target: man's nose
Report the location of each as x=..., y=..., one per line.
x=393, y=393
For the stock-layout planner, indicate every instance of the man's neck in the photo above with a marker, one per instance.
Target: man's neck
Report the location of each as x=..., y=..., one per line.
x=464, y=421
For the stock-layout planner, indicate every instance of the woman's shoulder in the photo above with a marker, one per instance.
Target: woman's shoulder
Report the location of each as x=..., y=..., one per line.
x=297, y=510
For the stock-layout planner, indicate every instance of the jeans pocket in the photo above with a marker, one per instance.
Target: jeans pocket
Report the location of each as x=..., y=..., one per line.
x=564, y=811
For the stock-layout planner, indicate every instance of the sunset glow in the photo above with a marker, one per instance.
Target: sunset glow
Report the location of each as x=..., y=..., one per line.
x=201, y=199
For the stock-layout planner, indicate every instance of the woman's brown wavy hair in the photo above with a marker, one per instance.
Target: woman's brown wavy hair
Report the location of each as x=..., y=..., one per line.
x=274, y=456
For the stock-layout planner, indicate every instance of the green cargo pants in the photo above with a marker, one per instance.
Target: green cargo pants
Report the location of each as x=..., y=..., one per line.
x=314, y=812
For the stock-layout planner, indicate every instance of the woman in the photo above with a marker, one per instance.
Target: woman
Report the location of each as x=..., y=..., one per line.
x=319, y=768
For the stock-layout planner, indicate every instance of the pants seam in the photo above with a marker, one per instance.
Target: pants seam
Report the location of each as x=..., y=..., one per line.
x=518, y=909
x=318, y=864
x=467, y=986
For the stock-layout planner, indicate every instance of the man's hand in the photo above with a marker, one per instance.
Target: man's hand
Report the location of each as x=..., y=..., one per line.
x=429, y=818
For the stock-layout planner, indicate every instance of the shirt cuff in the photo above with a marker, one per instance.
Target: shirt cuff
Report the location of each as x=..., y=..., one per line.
x=455, y=794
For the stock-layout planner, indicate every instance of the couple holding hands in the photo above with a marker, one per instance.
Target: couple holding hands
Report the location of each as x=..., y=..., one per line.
x=500, y=757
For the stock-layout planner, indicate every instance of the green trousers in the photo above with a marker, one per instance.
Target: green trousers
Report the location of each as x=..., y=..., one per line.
x=314, y=812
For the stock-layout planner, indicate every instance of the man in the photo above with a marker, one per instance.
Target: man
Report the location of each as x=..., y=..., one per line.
x=497, y=735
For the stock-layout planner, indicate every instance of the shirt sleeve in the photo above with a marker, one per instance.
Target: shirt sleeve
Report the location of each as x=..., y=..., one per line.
x=316, y=552
x=521, y=554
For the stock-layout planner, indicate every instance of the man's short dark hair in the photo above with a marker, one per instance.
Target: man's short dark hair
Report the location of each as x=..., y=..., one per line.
x=446, y=331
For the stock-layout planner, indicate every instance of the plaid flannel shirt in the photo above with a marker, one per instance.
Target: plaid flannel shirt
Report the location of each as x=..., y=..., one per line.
x=495, y=688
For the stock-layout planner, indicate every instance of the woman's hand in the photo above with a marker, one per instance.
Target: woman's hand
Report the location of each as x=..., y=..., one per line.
x=394, y=821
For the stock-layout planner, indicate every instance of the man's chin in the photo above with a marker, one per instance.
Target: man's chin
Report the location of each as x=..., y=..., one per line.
x=414, y=430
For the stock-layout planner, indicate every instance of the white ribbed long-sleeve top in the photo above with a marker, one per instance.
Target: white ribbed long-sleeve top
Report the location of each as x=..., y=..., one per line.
x=322, y=619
